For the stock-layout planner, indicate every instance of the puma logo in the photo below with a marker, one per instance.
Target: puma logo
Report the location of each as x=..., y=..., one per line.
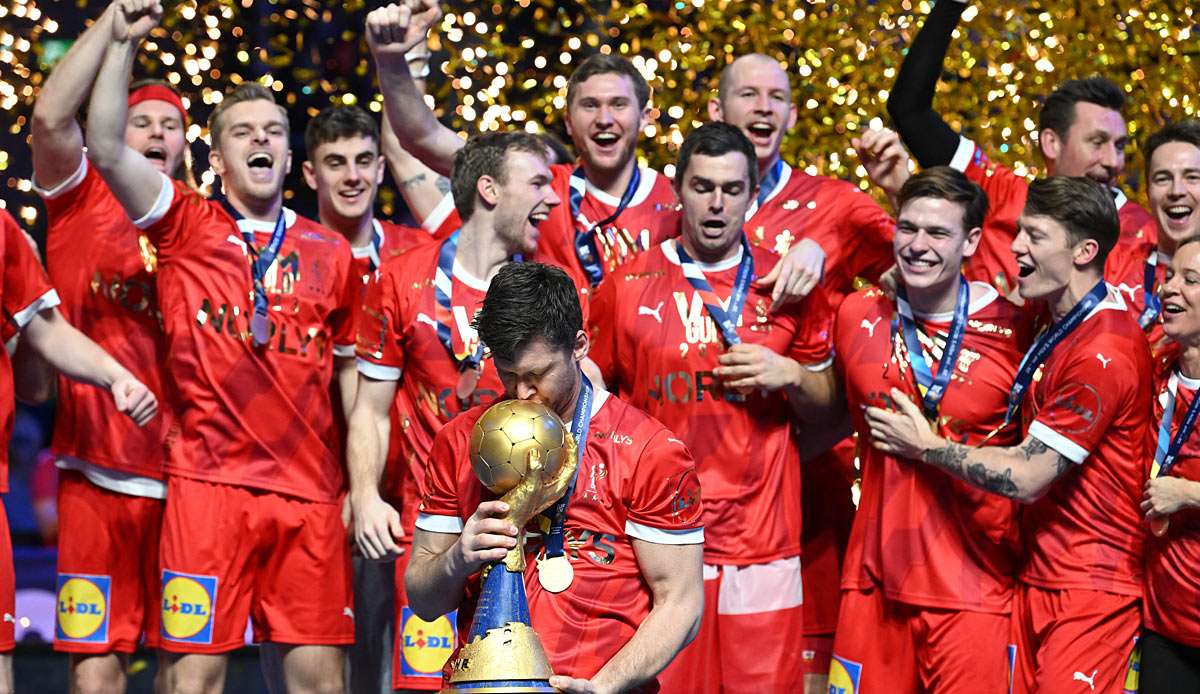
x=240, y=243
x=647, y=311
x=870, y=326
x=347, y=612
x=1103, y=360
x=422, y=318
x=1091, y=681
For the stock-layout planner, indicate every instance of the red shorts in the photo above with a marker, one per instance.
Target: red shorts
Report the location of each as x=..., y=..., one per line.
x=8, y=587
x=420, y=649
x=888, y=646
x=751, y=633
x=108, y=587
x=1073, y=640
x=229, y=553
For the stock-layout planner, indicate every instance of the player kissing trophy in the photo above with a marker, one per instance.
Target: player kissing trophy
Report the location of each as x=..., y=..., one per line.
x=521, y=450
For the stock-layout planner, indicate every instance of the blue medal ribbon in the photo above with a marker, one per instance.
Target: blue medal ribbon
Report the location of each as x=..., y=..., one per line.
x=1166, y=454
x=442, y=291
x=258, y=269
x=585, y=241
x=767, y=185
x=1153, y=305
x=376, y=244
x=933, y=388
x=726, y=320
x=580, y=423
x=1045, y=344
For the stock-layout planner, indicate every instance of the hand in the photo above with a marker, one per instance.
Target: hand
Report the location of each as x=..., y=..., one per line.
x=795, y=275
x=134, y=399
x=574, y=686
x=135, y=18
x=376, y=527
x=885, y=159
x=395, y=29
x=755, y=366
x=486, y=537
x=1166, y=495
x=903, y=432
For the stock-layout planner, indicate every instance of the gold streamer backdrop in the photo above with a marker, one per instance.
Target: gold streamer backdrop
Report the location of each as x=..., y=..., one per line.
x=506, y=64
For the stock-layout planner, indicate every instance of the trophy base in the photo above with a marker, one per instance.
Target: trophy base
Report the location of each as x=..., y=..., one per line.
x=530, y=687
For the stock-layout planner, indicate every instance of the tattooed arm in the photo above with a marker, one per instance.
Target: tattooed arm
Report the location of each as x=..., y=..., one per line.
x=1024, y=472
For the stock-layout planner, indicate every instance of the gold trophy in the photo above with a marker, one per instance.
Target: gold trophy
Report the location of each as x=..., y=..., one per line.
x=522, y=450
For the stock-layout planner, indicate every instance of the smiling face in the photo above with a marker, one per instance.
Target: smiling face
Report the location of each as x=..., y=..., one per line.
x=757, y=98
x=155, y=129
x=1174, y=189
x=714, y=194
x=1181, y=296
x=346, y=174
x=930, y=244
x=1045, y=256
x=523, y=198
x=1094, y=145
x=252, y=156
x=604, y=119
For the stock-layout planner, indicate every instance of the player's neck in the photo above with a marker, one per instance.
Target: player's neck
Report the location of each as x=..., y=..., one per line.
x=1189, y=361
x=255, y=209
x=1077, y=287
x=357, y=231
x=611, y=181
x=764, y=165
x=1166, y=246
x=936, y=299
x=481, y=251
x=710, y=257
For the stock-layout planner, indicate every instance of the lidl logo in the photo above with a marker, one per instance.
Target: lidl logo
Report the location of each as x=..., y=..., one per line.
x=188, y=602
x=844, y=675
x=82, y=608
x=425, y=646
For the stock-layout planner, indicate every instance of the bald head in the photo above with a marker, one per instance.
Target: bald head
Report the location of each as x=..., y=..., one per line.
x=745, y=67
x=754, y=95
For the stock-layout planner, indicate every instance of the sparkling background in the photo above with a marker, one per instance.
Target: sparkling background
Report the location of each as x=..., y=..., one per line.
x=506, y=64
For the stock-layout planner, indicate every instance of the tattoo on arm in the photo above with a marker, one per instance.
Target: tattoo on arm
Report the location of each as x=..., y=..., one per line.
x=949, y=457
x=1062, y=465
x=1033, y=447
x=443, y=184
x=994, y=482
x=410, y=182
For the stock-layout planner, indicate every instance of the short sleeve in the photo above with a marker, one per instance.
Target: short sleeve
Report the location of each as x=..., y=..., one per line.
x=26, y=287
x=1084, y=399
x=664, y=504
x=873, y=230
x=167, y=221
x=602, y=329
x=379, y=326
x=441, y=508
x=443, y=220
x=813, y=343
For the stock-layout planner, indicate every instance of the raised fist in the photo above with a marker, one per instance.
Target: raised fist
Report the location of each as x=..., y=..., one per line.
x=394, y=29
x=134, y=19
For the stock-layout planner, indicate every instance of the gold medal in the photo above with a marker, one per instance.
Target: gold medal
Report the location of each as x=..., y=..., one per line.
x=1159, y=526
x=555, y=573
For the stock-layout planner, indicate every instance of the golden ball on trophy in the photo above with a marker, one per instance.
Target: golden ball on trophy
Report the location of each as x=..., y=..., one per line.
x=503, y=437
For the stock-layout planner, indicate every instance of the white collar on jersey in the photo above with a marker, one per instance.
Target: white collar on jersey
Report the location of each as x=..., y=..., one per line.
x=649, y=177
x=669, y=250
x=987, y=294
x=1114, y=301
x=785, y=175
x=367, y=250
x=1119, y=198
x=255, y=226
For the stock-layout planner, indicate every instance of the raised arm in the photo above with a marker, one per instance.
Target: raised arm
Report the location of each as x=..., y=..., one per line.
x=910, y=103
x=57, y=140
x=391, y=32
x=421, y=187
x=133, y=180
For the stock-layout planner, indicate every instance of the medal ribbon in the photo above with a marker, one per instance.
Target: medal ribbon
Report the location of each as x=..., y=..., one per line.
x=585, y=241
x=376, y=244
x=766, y=187
x=262, y=259
x=1045, y=344
x=442, y=290
x=933, y=388
x=1152, y=302
x=1167, y=451
x=726, y=320
x=580, y=423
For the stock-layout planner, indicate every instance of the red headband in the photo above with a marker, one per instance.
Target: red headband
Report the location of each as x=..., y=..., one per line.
x=158, y=92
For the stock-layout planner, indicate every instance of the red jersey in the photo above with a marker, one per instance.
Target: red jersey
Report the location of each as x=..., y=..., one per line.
x=24, y=291
x=653, y=338
x=994, y=262
x=634, y=482
x=105, y=270
x=927, y=538
x=1173, y=560
x=1089, y=405
x=1126, y=271
x=398, y=341
x=845, y=222
x=252, y=416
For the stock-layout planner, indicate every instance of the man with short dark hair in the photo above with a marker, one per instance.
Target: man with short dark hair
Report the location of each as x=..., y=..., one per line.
x=1081, y=133
x=631, y=529
x=419, y=354
x=684, y=333
x=928, y=579
x=1085, y=384
x=256, y=304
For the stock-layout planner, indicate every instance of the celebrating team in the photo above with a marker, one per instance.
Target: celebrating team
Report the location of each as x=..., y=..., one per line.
x=1011, y=364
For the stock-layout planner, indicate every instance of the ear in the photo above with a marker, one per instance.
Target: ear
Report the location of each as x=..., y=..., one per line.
x=310, y=173
x=380, y=165
x=488, y=190
x=567, y=122
x=1085, y=252
x=216, y=161
x=287, y=164
x=582, y=346
x=793, y=114
x=971, y=244
x=715, y=113
x=1050, y=144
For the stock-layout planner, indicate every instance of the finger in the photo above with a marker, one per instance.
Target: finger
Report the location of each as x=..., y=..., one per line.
x=735, y=358
x=484, y=542
x=371, y=546
x=727, y=373
x=904, y=404
x=496, y=526
x=743, y=383
x=770, y=278
x=491, y=509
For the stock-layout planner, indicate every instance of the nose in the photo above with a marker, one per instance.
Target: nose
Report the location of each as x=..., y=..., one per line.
x=156, y=129
x=1178, y=188
x=762, y=103
x=526, y=390
x=604, y=116
x=716, y=200
x=552, y=199
x=260, y=134
x=1019, y=244
x=1111, y=158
